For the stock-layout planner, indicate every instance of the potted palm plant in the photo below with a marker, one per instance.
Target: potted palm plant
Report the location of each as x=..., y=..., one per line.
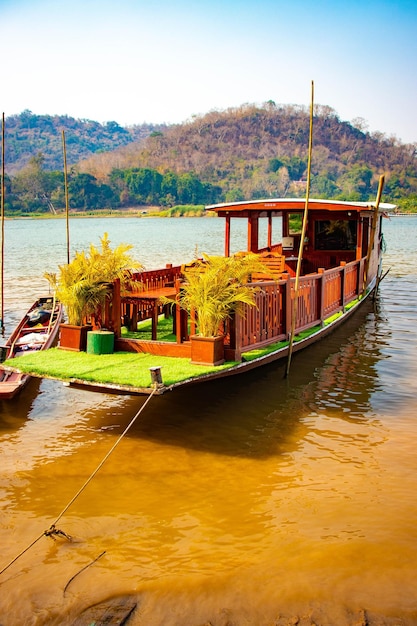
x=83, y=285
x=213, y=289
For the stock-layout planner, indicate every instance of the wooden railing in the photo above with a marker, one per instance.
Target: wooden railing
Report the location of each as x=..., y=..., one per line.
x=263, y=323
x=155, y=279
x=319, y=296
x=309, y=300
x=332, y=292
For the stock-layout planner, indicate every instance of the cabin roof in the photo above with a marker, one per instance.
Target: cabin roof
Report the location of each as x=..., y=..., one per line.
x=276, y=205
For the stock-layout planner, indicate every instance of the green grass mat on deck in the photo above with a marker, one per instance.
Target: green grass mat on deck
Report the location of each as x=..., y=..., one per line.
x=144, y=330
x=119, y=368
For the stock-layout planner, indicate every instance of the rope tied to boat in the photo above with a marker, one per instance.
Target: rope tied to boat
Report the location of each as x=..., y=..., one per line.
x=55, y=532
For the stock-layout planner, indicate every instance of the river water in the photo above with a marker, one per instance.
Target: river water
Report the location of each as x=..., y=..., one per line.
x=262, y=500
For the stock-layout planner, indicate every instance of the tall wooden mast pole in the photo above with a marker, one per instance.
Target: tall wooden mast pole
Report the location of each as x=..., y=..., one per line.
x=303, y=234
x=373, y=230
x=66, y=194
x=3, y=187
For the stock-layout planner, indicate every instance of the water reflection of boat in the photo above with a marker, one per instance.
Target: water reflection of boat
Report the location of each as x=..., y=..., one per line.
x=37, y=330
x=338, y=374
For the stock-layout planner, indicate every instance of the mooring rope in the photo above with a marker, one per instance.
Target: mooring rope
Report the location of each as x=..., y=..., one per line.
x=52, y=530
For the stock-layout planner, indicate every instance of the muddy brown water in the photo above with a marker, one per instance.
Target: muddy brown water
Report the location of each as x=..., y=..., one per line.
x=260, y=500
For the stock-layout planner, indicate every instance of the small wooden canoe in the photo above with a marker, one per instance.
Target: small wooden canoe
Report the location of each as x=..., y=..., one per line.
x=37, y=330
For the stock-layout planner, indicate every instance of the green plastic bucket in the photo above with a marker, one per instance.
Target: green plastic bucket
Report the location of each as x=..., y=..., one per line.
x=100, y=342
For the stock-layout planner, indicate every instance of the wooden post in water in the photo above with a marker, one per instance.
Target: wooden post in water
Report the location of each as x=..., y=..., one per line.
x=303, y=234
x=156, y=377
x=66, y=194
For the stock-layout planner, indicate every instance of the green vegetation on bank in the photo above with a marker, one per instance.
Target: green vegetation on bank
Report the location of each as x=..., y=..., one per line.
x=35, y=190
x=188, y=210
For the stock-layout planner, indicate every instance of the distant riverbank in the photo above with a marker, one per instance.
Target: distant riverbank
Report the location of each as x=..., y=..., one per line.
x=145, y=211
x=142, y=211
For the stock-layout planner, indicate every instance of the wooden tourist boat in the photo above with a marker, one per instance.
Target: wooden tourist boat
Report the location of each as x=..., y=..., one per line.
x=319, y=267
x=37, y=330
x=340, y=266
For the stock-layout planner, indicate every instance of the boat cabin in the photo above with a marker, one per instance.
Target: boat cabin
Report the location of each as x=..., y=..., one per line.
x=339, y=264
x=337, y=232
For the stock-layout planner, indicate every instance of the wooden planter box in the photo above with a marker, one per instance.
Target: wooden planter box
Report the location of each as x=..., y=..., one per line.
x=73, y=337
x=207, y=350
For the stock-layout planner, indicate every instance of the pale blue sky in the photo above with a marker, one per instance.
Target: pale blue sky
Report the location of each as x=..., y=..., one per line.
x=135, y=61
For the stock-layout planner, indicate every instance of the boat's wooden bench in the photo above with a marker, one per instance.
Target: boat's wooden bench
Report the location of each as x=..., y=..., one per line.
x=274, y=267
x=192, y=266
x=137, y=309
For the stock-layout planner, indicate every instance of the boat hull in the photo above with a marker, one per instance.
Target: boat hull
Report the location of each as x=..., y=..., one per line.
x=36, y=331
x=246, y=366
x=278, y=355
x=12, y=384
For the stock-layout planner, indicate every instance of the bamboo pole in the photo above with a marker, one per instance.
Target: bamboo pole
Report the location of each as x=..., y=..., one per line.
x=66, y=194
x=303, y=234
x=3, y=187
x=373, y=230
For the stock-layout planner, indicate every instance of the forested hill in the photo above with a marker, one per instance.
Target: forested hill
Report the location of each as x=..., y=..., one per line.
x=242, y=153
x=260, y=151
x=26, y=135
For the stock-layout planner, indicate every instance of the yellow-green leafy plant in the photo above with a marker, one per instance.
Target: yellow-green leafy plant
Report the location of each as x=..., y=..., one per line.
x=215, y=287
x=83, y=284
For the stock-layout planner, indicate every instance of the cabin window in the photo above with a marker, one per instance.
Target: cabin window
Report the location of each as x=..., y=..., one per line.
x=335, y=235
x=295, y=223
